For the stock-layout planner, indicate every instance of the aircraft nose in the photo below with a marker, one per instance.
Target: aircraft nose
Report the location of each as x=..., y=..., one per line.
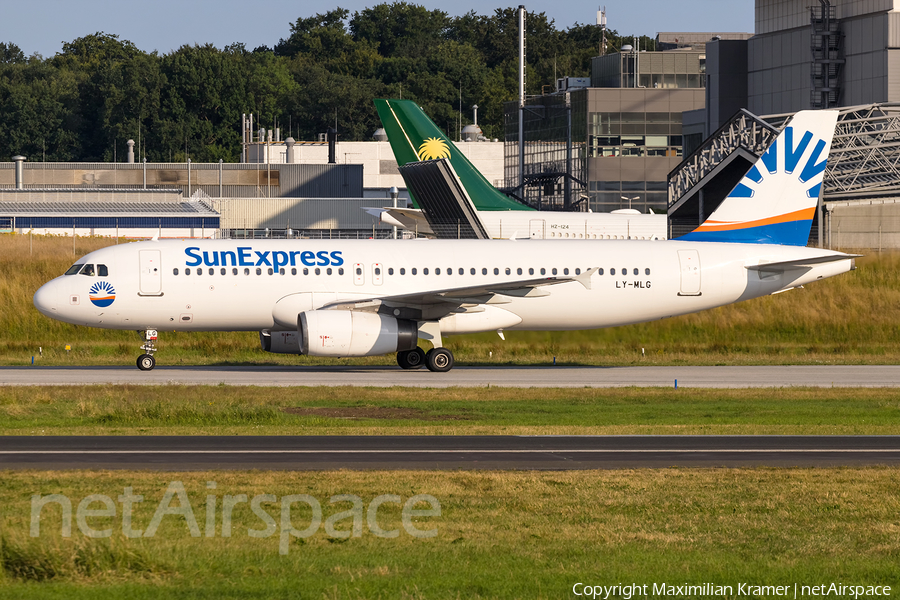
x=46, y=299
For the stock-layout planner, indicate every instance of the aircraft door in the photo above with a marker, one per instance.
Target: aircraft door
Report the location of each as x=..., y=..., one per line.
x=151, y=273
x=536, y=229
x=689, y=261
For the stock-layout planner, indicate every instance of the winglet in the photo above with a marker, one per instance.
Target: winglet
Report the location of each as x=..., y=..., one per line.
x=585, y=278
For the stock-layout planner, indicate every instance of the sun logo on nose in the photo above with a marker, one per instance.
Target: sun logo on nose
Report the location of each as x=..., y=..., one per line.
x=433, y=148
x=102, y=294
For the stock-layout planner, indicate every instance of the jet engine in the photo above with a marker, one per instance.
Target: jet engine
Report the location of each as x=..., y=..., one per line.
x=280, y=342
x=341, y=333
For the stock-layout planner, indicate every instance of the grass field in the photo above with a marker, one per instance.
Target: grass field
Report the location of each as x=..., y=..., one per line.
x=847, y=319
x=228, y=410
x=499, y=535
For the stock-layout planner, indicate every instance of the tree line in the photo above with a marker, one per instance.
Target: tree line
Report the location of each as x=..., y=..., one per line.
x=99, y=91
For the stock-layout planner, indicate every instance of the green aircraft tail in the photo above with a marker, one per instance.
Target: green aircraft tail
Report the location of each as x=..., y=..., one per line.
x=414, y=137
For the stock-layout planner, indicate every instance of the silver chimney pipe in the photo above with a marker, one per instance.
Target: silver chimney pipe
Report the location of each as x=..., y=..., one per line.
x=130, y=144
x=20, y=171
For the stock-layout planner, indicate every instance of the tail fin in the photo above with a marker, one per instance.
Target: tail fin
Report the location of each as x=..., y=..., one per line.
x=414, y=137
x=776, y=200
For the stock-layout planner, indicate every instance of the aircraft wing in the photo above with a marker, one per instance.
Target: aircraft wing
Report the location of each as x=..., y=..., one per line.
x=436, y=304
x=800, y=263
x=410, y=219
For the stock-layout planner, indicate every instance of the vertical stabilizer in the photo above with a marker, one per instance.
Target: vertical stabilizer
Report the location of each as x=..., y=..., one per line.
x=414, y=138
x=776, y=200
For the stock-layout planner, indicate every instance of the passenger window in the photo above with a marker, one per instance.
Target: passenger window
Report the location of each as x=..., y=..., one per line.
x=508, y=270
x=600, y=271
x=175, y=271
x=258, y=271
x=88, y=270
x=413, y=271
x=306, y=271
x=234, y=271
x=463, y=271
x=484, y=271
x=553, y=271
x=496, y=271
x=519, y=271
x=636, y=272
x=436, y=271
x=390, y=270
x=212, y=271
x=328, y=271
x=471, y=271
x=543, y=271
x=270, y=270
x=578, y=271
x=425, y=271
x=612, y=271
x=282, y=271
x=199, y=271
x=646, y=271
x=222, y=271
x=187, y=271
x=624, y=272
x=403, y=271
x=318, y=271
x=377, y=271
x=246, y=271
x=530, y=271
x=566, y=271
x=102, y=271
x=358, y=271
x=341, y=271
x=74, y=269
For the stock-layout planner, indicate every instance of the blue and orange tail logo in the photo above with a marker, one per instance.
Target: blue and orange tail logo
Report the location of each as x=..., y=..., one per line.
x=776, y=200
x=102, y=294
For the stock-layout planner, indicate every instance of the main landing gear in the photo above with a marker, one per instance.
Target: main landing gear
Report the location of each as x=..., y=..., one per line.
x=438, y=360
x=146, y=362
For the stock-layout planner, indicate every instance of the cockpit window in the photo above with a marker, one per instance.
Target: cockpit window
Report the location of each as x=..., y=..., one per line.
x=102, y=271
x=74, y=269
x=88, y=270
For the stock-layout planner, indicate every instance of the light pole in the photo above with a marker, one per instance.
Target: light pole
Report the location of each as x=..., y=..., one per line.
x=395, y=193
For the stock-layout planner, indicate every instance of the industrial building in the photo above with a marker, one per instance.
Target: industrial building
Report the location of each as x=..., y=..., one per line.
x=839, y=54
x=609, y=142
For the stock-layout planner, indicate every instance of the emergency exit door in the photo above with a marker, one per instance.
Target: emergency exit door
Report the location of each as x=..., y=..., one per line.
x=151, y=273
x=689, y=260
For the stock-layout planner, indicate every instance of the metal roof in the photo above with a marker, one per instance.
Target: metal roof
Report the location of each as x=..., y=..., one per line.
x=111, y=209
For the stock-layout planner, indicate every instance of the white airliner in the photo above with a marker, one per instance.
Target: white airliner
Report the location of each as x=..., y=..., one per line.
x=346, y=298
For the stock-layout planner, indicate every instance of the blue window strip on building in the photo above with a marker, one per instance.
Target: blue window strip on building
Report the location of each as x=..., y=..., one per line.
x=110, y=222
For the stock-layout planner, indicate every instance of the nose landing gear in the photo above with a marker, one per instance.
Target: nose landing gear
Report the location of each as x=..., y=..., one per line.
x=146, y=362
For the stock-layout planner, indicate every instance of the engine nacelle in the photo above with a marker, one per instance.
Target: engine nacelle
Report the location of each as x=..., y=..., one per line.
x=280, y=342
x=341, y=333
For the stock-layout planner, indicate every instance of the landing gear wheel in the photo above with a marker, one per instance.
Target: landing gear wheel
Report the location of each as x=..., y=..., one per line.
x=146, y=362
x=411, y=359
x=439, y=360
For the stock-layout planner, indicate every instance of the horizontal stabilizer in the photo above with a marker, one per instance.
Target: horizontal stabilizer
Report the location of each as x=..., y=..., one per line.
x=787, y=265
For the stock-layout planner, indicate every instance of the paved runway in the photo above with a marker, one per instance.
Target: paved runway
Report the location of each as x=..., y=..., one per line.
x=442, y=452
x=687, y=376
